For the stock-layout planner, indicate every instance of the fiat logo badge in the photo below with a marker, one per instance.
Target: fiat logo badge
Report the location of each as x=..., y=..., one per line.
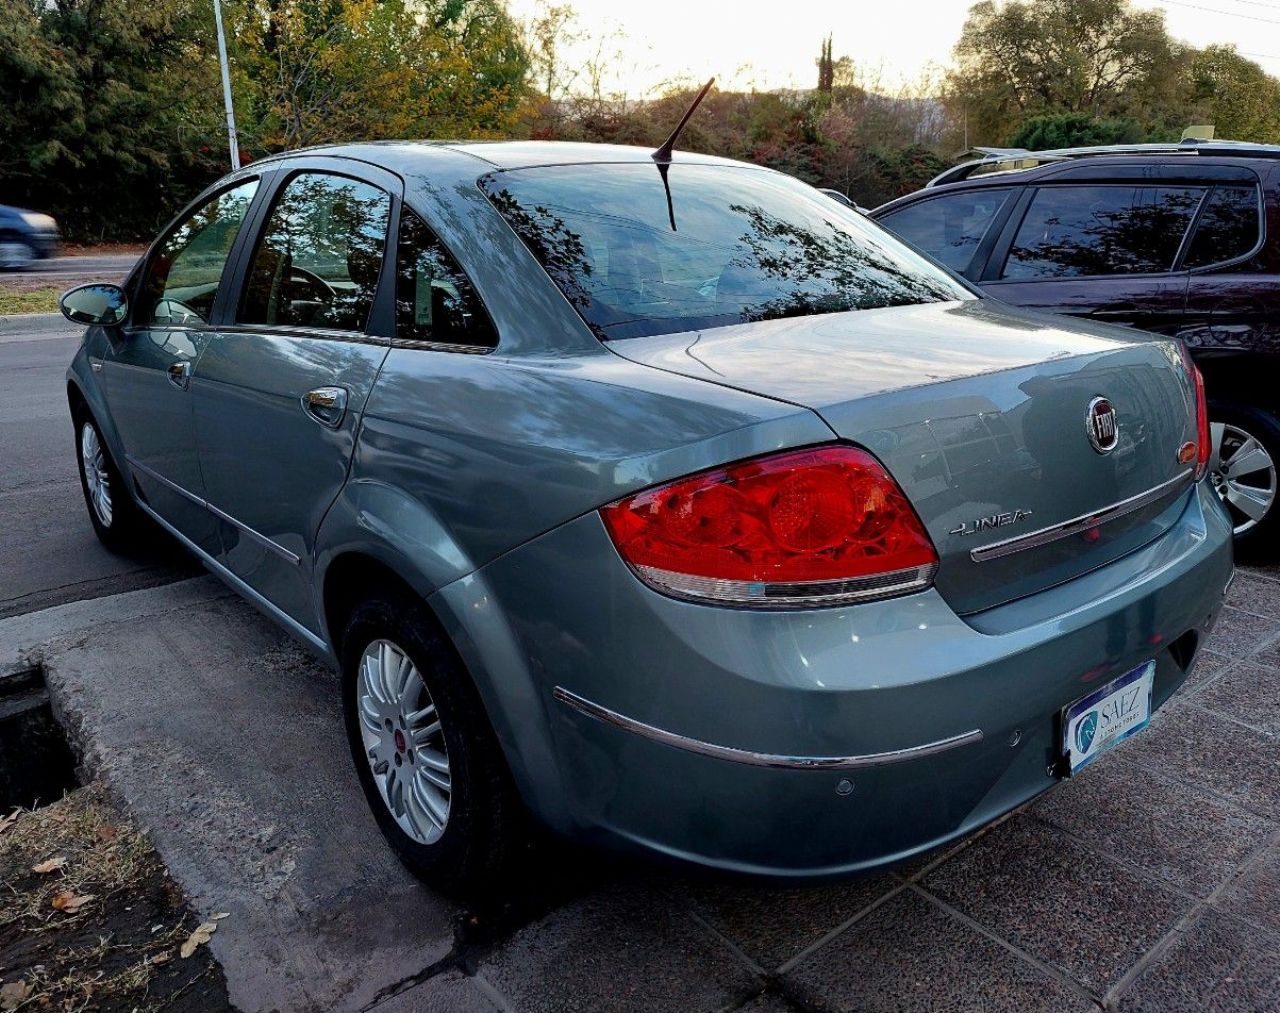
x=1101, y=425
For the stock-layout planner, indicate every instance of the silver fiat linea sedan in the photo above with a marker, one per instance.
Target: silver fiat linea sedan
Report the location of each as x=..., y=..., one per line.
x=666, y=503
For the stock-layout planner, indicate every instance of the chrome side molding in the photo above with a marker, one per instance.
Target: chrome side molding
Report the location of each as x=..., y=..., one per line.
x=1078, y=525
x=756, y=759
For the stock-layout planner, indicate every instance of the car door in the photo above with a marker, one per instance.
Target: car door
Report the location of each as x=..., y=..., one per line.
x=1101, y=250
x=147, y=376
x=279, y=389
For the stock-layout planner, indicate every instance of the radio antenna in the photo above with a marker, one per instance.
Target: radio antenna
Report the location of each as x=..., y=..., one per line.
x=663, y=155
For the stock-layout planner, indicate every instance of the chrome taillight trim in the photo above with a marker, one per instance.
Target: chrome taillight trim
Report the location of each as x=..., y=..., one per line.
x=1078, y=525
x=790, y=595
x=757, y=759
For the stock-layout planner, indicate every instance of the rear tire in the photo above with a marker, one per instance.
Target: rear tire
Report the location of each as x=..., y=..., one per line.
x=409, y=738
x=1243, y=471
x=115, y=517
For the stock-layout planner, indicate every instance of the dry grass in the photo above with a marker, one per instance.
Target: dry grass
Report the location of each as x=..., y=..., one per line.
x=118, y=950
x=15, y=298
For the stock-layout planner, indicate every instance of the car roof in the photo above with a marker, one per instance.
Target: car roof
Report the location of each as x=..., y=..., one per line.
x=408, y=156
x=1003, y=161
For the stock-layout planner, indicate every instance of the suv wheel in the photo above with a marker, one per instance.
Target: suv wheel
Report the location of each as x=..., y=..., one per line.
x=15, y=255
x=1246, y=449
x=115, y=517
x=429, y=763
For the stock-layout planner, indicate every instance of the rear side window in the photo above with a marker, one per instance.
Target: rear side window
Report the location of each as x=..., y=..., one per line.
x=1229, y=227
x=948, y=228
x=318, y=260
x=435, y=301
x=1074, y=231
x=638, y=249
x=182, y=278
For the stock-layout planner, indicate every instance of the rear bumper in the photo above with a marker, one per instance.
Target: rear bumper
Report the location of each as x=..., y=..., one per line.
x=810, y=743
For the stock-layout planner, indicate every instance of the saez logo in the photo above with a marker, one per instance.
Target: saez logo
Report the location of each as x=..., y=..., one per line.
x=1086, y=729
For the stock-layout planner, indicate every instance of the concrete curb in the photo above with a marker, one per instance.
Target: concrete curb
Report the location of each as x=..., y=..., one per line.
x=26, y=326
x=23, y=638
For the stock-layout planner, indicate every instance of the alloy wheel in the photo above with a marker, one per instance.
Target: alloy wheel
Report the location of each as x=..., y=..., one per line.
x=403, y=741
x=1243, y=474
x=95, y=473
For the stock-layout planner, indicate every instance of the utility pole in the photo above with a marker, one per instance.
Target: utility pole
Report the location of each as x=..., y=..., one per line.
x=226, y=88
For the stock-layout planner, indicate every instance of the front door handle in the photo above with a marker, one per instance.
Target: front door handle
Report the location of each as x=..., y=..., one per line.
x=180, y=375
x=327, y=405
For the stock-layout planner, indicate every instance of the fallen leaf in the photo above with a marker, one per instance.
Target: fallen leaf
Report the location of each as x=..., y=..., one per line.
x=14, y=994
x=162, y=958
x=70, y=903
x=52, y=865
x=9, y=821
x=219, y=916
x=199, y=936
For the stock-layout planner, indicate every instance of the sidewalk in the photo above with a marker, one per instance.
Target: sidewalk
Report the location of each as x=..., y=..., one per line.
x=1147, y=883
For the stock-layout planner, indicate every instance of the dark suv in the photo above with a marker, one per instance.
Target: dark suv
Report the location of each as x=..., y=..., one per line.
x=1181, y=240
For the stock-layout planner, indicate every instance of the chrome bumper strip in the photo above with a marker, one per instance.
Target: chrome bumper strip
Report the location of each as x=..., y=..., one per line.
x=1077, y=525
x=753, y=758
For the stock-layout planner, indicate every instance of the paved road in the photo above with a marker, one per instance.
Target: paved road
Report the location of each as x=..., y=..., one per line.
x=109, y=267
x=48, y=552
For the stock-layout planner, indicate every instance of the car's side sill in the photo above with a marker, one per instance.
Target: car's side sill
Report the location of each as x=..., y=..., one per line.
x=756, y=759
x=261, y=539
x=218, y=570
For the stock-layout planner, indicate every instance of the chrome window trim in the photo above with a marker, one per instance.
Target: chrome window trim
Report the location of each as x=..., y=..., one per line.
x=1054, y=532
x=275, y=547
x=757, y=759
x=295, y=331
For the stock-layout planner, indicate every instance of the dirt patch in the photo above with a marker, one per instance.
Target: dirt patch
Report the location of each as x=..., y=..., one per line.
x=90, y=920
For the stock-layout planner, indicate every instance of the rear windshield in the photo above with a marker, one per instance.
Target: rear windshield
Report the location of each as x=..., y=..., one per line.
x=722, y=245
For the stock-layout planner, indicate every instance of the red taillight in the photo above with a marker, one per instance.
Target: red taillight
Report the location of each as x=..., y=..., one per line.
x=1204, y=439
x=805, y=527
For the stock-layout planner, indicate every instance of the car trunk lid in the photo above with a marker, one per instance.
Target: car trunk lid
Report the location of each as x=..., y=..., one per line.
x=979, y=413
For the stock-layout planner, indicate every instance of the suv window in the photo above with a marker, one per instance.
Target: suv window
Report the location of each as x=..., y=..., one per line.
x=320, y=254
x=948, y=228
x=434, y=298
x=1228, y=228
x=1073, y=231
x=182, y=278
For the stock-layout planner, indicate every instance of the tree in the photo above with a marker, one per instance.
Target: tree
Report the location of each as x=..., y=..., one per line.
x=1072, y=130
x=1021, y=59
x=1235, y=95
x=826, y=68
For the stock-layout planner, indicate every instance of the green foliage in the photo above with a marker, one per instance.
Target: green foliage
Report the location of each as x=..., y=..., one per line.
x=1073, y=130
x=1235, y=95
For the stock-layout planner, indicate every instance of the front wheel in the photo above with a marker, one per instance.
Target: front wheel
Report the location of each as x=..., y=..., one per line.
x=1246, y=449
x=15, y=255
x=114, y=516
x=427, y=758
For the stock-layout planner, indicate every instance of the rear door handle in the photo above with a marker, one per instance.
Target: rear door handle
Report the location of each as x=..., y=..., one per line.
x=180, y=375
x=327, y=405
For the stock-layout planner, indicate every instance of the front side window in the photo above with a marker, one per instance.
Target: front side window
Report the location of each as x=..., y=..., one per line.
x=435, y=301
x=641, y=251
x=1076, y=231
x=948, y=228
x=1229, y=227
x=318, y=261
x=182, y=278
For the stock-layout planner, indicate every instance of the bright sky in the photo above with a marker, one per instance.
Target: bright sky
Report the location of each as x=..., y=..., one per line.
x=774, y=45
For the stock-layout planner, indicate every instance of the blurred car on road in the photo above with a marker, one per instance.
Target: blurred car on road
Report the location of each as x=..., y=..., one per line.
x=25, y=237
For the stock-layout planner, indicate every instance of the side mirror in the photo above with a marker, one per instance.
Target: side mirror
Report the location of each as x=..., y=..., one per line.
x=95, y=304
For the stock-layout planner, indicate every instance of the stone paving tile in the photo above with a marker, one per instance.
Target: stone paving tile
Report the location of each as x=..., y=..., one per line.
x=1189, y=839
x=771, y=924
x=1076, y=910
x=451, y=992
x=1208, y=666
x=768, y=1002
x=619, y=950
x=1255, y=593
x=1249, y=693
x=909, y=954
x=1211, y=751
x=1238, y=633
x=1217, y=964
x=1255, y=895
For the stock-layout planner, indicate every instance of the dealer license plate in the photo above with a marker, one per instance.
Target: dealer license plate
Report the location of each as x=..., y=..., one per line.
x=1107, y=716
